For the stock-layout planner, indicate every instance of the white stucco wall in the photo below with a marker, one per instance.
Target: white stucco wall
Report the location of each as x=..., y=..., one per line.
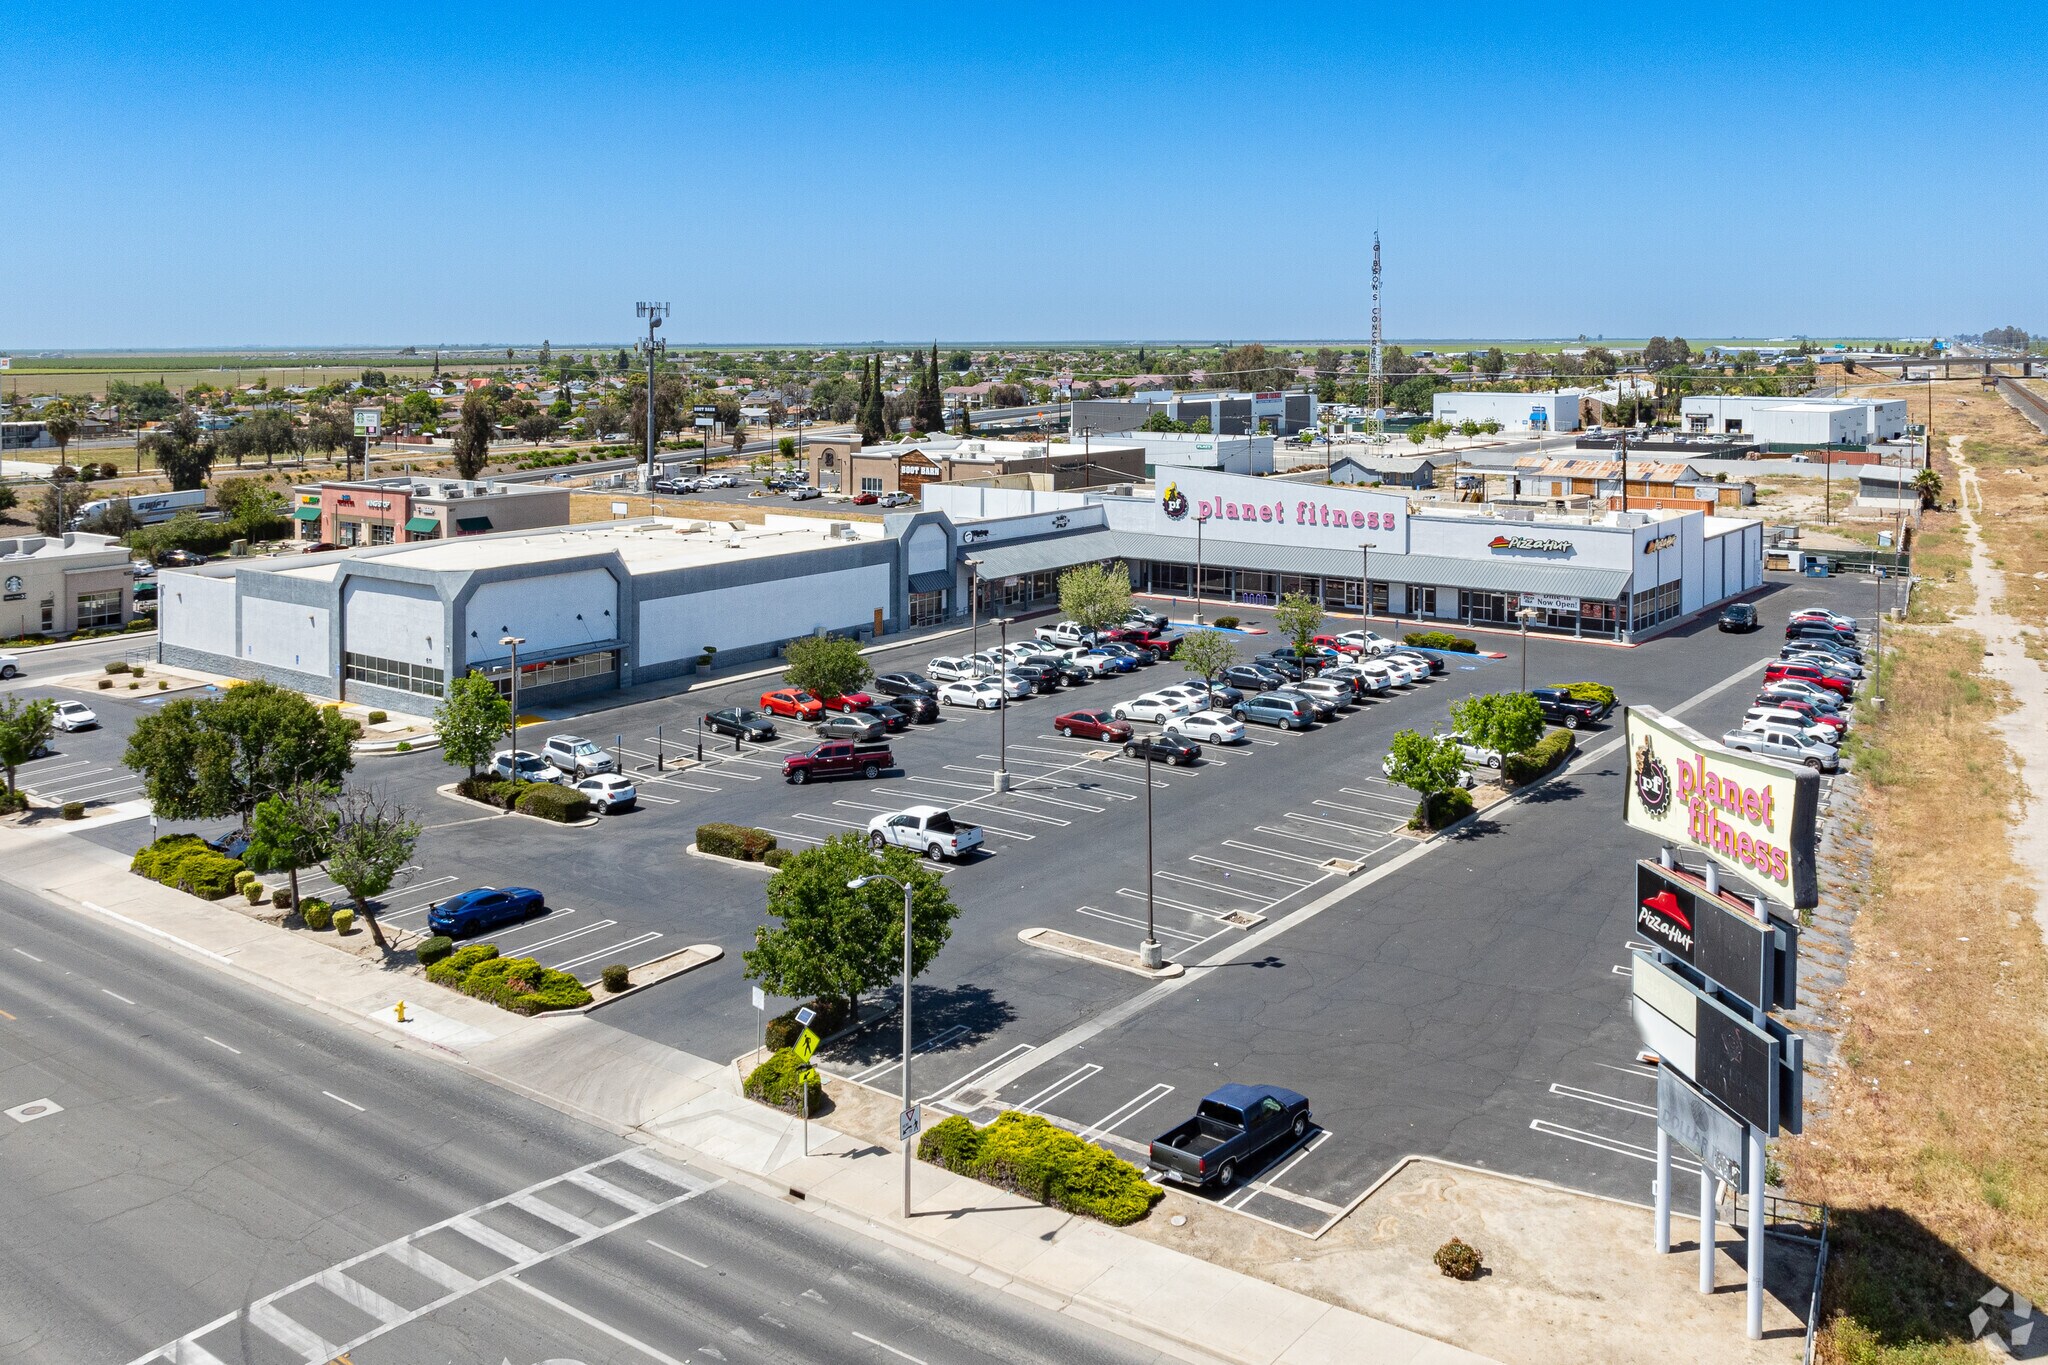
x=545, y=611
x=678, y=627
x=387, y=620
x=197, y=612
x=285, y=635
x=927, y=549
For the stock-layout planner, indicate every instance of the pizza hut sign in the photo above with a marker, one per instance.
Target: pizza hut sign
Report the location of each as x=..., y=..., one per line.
x=1541, y=544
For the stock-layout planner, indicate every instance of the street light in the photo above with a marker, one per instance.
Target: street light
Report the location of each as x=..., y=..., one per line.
x=1200, y=521
x=1150, y=956
x=973, y=607
x=856, y=884
x=514, y=641
x=1002, y=783
x=1365, y=581
x=1525, y=615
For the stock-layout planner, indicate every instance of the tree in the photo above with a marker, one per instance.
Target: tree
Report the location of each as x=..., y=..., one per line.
x=1428, y=765
x=538, y=426
x=473, y=437
x=150, y=402
x=1493, y=363
x=373, y=840
x=1928, y=484
x=471, y=720
x=738, y=436
x=1250, y=366
x=966, y=419
x=1206, y=653
x=292, y=829
x=785, y=447
x=1299, y=617
x=417, y=409
x=270, y=433
x=1096, y=596
x=836, y=942
x=546, y=354
x=826, y=666
x=182, y=452
x=252, y=507
x=204, y=760
x=25, y=727
x=59, y=504
x=329, y=428
x=873, y=418
x=1159, y=421
x=60, y=419
x=931, y=402
x=1510, y=722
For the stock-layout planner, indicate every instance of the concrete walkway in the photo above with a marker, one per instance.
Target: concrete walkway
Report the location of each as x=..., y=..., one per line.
x=651, y=1092
x=2025, y=728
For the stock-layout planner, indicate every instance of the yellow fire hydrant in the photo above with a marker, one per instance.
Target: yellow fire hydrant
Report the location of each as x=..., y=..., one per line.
x=401, y=1011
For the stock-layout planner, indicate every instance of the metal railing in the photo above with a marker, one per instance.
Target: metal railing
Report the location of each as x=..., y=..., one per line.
x=1796, y=1220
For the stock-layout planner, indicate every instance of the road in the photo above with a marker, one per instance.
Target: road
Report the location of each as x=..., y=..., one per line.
x=192, y=1146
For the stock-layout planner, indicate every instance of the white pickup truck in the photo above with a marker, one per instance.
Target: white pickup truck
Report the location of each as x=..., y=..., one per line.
x=929, y=830
x=1065, y=634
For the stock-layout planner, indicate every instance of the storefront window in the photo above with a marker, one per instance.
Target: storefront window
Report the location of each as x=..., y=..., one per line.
x=381, y=533
x=555, y=671
x=1654, y=605
x=1421, y=600
x=927, y=608
x=99, y=609
x=391, y=673
x=1483, y=606
x=870, y=484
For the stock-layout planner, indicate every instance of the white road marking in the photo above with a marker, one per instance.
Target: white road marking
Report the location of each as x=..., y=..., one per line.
x=1060, y=1087
x=1572, y=1092
x=957, y=1083
x=1253, y=871
x=548, y=1212
x=1128, y=1110
x=27, y=954
x=1235, y=892
x=607, y=952
x=904, y=1355
x=677, y=1254
x=1203, y=912
x=360, y=1296
x=1608, y=1144
x=1265, y=1184
x=587, y=1320
x=308, y=1344
x=122, y=998
x=1334, y=824
x=1274, y=853
x=339, y=1100
x=1161, y=930
x=928, y=1045
x=219, y=1044
x=1306, y=839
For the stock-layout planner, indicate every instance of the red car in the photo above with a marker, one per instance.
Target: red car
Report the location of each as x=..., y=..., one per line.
x=1813, y=714
x=1092, y=725
x=1819, y=677
x=852, y=701
x=866, y=499
x=1341, y=646
x=793, y=702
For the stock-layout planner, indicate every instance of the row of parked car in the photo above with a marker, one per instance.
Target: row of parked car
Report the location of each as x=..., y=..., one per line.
x=1802, y=711
x=571, y=761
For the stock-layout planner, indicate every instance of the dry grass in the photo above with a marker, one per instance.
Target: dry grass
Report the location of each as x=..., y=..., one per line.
x=1934, y=1150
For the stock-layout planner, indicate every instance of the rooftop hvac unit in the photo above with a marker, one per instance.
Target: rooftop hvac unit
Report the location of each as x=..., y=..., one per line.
x=451, y=491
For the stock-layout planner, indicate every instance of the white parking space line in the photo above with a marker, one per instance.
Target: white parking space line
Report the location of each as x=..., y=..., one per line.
x=1267, y=1183
x=1200, y=911
x=800, y=838
x=1325, y=822
x=1353, y=810
x=990, y=1065
x=1060, y=1087
x=645, y=795
x=882, y=1068
x=1128, y=1110
x=1159, y=929
x=1306, y=839
x=1608, y=1144
x=1288, y=878
x=829, y=820
x=1234, y=892
x=1572, y=1092
x=610, y=951
x=1272, y=852
x=900, y=1355
x=567, y=936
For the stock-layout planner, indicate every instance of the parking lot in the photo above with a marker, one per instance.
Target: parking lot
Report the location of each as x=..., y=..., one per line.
x=1464, y=1000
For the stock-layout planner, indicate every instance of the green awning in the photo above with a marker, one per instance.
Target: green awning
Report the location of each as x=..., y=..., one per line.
x=474, y=524
x=308, y=512
x=426, y=526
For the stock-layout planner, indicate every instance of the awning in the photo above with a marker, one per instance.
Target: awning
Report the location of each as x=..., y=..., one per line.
x=306, y=512
x=938, y=580
x=1500, y=574
x=1054, y=552
x=474, y=524
x=426, y=526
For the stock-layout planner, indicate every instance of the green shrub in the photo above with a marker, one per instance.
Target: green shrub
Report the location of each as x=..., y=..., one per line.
x=450, y=970
x=376, y=718
x=117, y=666
x=243, y=878
x=344, y=920
x=163, y=685
x=503, y=793
x=1458, y=1260
x=432, y=950
x=774, y=1082
x=552, y=802
x=282, y=898
x=13, y=802
x=1031, y=1156
x=106, y=684
x=616, y=977
x=522, y=985
x=784, y=1030
x=1553, y=749
x=254, y=890
x=775, y=857
x=734, y=841
x=1598, y=693
x=405, y=746
x=1440, y=639
x=1444, y=808
x=73, y=810
x=135, y=669
x=183, y=861
x=1225, y=623
x=318, y=915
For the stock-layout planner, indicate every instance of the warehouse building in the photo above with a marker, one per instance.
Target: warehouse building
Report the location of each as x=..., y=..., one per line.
x=1552, y=410
x=1236, y=413
x=1788, y=424
x=1547, y=478
x=1047, y=465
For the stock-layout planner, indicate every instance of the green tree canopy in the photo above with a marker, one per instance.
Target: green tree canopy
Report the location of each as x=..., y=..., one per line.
x=834, y=941
x=1096, y=596
x=181, y=452
x=373, y=839
x=208, y=759
x=471, y=720
x=1299, y=617
x=291, y=829
x=1510, y=722
x=826, y=666
x=25, y=727
x=473, y=437
x=1206, y=653
x=1429, y=765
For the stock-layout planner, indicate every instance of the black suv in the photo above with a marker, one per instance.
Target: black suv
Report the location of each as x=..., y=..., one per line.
x=1164, y=748
x=1562, y=708
x=1042, y=678
x=1252, y=677
x=1068, y=670
x=1740, y=617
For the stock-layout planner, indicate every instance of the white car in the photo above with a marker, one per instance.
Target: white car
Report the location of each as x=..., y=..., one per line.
x=1783, y=744
x=1797, y=729
x=985, y=696
x=1154, y=708
x=1466, y=777
x=1187, y=691
x=1023, y=649
x=1827, y=614
x=1016, y=685
x=1477, y=755
x=1095, y=661
x=989, y=662
x=1823, y=660
x=1799, y=689
x=1365, y=642
x=1785, y=715
x=1338, y=694
x=1210, y=727
x=523, y=765
x=1405, y=672
x=73, y=715
x=951, y=668
x=609, y=792
x=1361, y=678
x=9, y=666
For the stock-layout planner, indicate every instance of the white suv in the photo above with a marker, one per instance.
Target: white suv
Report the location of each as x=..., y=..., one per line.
x=1154, y=708
x=576, y=755
x=951, y=668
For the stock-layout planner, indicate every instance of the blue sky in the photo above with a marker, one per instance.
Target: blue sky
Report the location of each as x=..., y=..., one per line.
x=227, y=175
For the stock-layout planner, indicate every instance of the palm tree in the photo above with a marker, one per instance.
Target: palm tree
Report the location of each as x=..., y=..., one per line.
x=1928, y=484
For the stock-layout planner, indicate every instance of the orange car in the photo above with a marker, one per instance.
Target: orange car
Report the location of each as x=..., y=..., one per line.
x=793, y=702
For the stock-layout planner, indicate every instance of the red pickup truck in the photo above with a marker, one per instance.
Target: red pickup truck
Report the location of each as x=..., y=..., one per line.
x=837, y=758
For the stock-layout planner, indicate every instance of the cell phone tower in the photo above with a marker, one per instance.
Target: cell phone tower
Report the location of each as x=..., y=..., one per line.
x=1377, y=425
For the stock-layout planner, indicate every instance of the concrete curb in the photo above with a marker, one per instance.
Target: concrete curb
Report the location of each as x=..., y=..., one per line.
x=1041, y=938
x=390, y=749
x=696, y=852
x=661, y=969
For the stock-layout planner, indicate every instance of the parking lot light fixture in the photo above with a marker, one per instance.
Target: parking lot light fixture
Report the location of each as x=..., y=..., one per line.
x=856, y=884
x=1150, y=955
x=1524, y=615
x=973, y=608
x=1002, y=780
x=513, y=642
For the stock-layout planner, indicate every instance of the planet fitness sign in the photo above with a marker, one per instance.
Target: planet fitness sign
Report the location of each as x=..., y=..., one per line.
x=1239, y=507
x=1754, y=816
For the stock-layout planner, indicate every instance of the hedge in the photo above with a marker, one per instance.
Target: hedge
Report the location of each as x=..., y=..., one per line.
x=1440, y=639
x=432, y=950
x=184, y=861
x=552, y=802
x=317, y=915
x=1444, y=808
x=1030, y=1156
x=1545, y=754
x=774, y=1082
x=1598, y=693
x=519, y=984
x=344, y=920
x=832, y=1016
x=492, y=791
x=776, y=857
x=450, y=970
x=734, y=841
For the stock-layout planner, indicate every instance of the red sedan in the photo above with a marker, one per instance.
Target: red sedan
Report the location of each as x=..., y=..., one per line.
x=793, y=702
x=1819, y=677
x=1092, y=725
x=852, y=701
x=866, y=499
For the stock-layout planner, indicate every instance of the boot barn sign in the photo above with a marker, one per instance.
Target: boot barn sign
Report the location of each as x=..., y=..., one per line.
x=1754, y=816
x=1276, y=512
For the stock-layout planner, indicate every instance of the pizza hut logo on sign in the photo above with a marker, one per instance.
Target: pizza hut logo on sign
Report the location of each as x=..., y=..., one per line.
x=1651, y=547
x=1663, y=918
x=1174, y=502
x=1061, y=522
x=1528, y=543
x=1653, y=780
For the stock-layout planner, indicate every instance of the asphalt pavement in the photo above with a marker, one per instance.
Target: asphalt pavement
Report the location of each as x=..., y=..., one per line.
x=200, y=1172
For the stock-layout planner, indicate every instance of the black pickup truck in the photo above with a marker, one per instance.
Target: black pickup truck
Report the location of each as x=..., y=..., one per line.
x=1231, y=1126
x=1562, y=708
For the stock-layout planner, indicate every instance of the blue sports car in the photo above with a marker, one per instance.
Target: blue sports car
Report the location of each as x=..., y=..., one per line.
x=483, y=909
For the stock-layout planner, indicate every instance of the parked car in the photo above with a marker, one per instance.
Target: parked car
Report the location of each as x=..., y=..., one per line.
x=1841, y=649
x=609, y=793
x=793, y=702
x=984, y=694
x=73, y=715
x=1145, y=618
x=1477, y=755
x=1786, y=745
x=854, y=725
x=906, y=684
x=741, y=723
x=1093, y=724
x=1210, y=727
x=930, y=831
x=1139, y=656
x=576, y=755
x=1154, y=708
x=896, y=499
x=1826, y=614
x=1799, y=689
x=1778, y=669
x=866, y=499
x=952, y=668
x=838, y=758
x=1433, y=662
x=1365, y=642
x=1404, y=671
x=1232, y=1127
x=1560, y=707
x=1064, y=633
x=1102, y=663
x=1319, y=707
x=851, y=701
x=1275, y=708
x=187, y=559
x=1163, y=748
x=1739, y=618
x=1205, y=697
x=483, y=909
x=916, y=708
x=1251, y=677
x=1823, y=659
x=1042, y=677
x=1817, y=629
x=1337, y=693
x=1362, y=682
x=1283, y=663
x=1070, y=670
x=884, y=714
x=1833, y=719
x=523, y=765
x=1798, y=729
x=804, y=493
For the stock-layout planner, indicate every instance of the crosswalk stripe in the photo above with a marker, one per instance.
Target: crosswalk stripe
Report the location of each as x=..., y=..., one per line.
x=604, y=1189
x=428, y=1267
x=309, y=1344
x=517, y=1252
x=360, y=1296
x=560, y=1217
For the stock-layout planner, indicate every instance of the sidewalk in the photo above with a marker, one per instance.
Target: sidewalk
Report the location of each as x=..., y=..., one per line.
x=619, y=1081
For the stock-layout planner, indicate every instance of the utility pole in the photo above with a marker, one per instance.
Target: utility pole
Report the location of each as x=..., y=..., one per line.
x=653, y=347
x=1624, y=469
x=1376, y=424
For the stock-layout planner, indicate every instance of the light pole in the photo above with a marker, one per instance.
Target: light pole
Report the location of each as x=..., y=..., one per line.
x=654, y=346
x=856, y=884
x=1524, y=615
x=974, y=608
x=1199, y=521
x=1149, y=955
x=514, y=641
x=1365, y=581
x=1002, y=782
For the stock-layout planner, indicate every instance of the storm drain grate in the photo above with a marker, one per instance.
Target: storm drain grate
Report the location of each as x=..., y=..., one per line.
x=1343, y=867
x=969, y=1100
x=1243, y=919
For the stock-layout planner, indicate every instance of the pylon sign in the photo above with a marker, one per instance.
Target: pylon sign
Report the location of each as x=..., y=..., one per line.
x=1756, y=956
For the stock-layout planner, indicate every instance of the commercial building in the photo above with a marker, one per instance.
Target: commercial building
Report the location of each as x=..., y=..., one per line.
x=1045, y=465
x=408, y=508
x=1394, y=471
x=1551, y=410
x=1228, y=413
x=1887, y=488
x=1167, y=451
x=53, y=585
x=1782, y=424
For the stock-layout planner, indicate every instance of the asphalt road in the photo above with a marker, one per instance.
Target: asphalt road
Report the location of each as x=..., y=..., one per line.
x=193, y=1146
